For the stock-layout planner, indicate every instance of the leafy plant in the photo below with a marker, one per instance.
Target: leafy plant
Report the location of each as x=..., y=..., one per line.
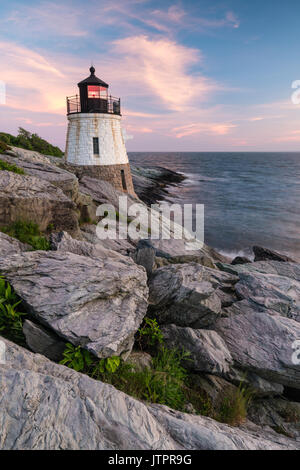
x=76, y=358
x=11, y=325
x=150, y=333
x=27, y=232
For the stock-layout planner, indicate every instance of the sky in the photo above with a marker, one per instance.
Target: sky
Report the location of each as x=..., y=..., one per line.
x=199, y=75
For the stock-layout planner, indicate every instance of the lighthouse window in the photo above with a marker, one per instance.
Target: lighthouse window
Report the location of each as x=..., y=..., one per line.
x=93, y=91
x=123, y=180
x=96, y=145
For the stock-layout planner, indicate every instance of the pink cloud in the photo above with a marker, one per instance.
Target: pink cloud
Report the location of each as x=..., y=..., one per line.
x=161, y=67
x=203, y=128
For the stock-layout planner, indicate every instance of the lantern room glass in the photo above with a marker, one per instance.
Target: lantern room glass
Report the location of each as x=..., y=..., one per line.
x=97, y=92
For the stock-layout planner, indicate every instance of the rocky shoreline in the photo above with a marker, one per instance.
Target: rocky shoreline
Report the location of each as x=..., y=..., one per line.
x=238, y=321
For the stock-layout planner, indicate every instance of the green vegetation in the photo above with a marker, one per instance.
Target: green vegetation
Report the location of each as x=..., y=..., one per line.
x=11, y=325
x=27, y=232
x=166, y=382
x=28, y=141
x=8, y=167
x=149, y=334
x=233, y=407
x=3, y=147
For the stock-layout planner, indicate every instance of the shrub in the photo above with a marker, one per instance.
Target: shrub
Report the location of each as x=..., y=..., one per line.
x=3, y=147
x=27, y=232
x=30, y=141
x=76, y=358
x=11, y=325
x=11, y=167
x=149, y=334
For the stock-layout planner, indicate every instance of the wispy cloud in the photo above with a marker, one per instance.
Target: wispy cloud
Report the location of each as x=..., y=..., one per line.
x=161, y=67
x=62, y=19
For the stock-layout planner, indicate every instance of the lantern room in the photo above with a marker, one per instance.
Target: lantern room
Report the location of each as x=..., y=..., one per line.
x=93, y=97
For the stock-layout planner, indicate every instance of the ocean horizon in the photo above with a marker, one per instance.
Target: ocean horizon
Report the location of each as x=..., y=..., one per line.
x=250, y=198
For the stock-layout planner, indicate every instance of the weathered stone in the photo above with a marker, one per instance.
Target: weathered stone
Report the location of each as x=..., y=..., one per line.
x=9, y=245
x=96, y=303
x=213, y=386
x=73, y=411
x=125, y=247
x=62, y=241
x=208, y=352
x=277, y=293
x=140, y=360
x=145, y=255
x=40, y=168
x=259, y=386
x=261, y=341
x=189, y=294
x=240, y=260
x=36, y=200
x=290, y=270
x=42, y=341
x=279, y=414
x=264, y=254
x=174, y=252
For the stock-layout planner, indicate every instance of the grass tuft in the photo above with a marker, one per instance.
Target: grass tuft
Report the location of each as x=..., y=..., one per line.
x=27, y=232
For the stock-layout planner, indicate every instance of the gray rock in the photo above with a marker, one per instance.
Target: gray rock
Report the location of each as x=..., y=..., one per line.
x=189, y=294
x=43, y=342
x=240, y=260
x=258, y=385
x=62, y=241
x=39, y=166
x=208, y=352
x=276, y=293
x=174, y=251
x=279, y=414
x=36, y=200
x=9, y=245
x=140, y=360
x=290, y=270
x=261, y=342
x=124, y=247
x=47, y=406
x=96, y=303
x=214, y=387
x=145, y=255
x=264, y=254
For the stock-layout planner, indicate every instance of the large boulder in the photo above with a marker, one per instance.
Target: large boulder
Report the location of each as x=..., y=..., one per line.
x=264, y=254
x=97, y=303
x=73, y=411
x=261, y=341
x=278, y=293
x=39, y=340
x=23, y=196
x=208, y=352
x=62, y=241
x=290, y=270
x=190, y=294
x=9, y=245
x=40, y=168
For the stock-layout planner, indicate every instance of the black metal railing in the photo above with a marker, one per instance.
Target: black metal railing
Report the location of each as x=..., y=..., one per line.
x=111, y=105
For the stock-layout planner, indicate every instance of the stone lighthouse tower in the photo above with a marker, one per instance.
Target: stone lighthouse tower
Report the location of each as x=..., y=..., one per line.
x=95, y=143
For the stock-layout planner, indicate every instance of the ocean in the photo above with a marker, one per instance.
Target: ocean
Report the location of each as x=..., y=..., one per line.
x=249, y=198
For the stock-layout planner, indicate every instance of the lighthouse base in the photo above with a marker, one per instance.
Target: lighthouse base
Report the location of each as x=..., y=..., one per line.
x=117, y=175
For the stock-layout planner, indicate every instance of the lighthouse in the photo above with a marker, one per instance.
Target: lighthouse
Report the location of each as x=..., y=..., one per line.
x=95, y=143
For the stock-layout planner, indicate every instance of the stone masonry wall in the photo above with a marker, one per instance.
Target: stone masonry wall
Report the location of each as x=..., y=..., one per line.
x=83, y=127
